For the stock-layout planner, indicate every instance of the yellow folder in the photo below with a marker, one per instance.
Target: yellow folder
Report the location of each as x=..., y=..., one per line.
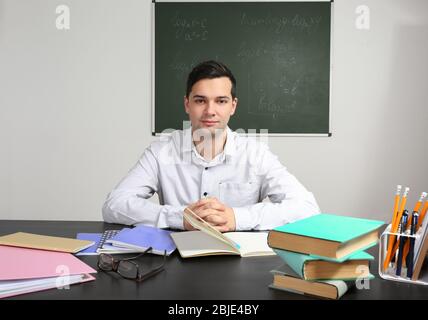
x=36, y=241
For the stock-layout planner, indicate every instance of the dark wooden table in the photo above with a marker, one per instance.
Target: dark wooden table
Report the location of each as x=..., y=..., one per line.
x=205, y=278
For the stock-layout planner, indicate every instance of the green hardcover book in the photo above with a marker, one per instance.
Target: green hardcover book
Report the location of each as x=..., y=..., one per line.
x=326, y=235
x=307, y=267
x=284, y=278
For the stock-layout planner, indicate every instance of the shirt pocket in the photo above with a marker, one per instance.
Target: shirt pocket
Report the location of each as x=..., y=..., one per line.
x=239, y=194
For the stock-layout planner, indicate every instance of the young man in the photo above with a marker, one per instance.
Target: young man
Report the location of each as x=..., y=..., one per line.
x=221, y=176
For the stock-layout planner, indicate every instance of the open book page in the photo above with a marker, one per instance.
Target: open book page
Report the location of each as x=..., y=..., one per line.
x=251, y=243
x=245, y=243
x=200, y=224
x=198, y=243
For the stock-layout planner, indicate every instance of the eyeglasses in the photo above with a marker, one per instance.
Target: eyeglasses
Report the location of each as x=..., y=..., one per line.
x=126, y=268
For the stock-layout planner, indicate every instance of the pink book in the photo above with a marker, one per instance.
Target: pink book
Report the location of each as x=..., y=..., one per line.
x=21, y=270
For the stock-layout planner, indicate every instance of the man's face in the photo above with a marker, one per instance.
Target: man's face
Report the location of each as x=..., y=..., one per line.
x=210, y=104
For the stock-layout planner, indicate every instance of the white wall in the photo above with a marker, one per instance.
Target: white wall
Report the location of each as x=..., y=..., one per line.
x=75, y=108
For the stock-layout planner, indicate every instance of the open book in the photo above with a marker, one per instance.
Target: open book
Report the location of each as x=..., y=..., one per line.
x=209, y=241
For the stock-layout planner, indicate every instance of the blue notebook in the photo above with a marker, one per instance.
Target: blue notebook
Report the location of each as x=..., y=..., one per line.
x=92, y=250
x=142, y=237
x=98, y=238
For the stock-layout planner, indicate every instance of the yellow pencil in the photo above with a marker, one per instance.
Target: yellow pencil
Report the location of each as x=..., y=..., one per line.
x=394, y=225
x=402, y=206
x=422, y=215
x=400, y=214
x=396, y=202
x=419, y=203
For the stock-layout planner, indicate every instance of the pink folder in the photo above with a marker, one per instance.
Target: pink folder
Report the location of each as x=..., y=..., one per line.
x=22, y=263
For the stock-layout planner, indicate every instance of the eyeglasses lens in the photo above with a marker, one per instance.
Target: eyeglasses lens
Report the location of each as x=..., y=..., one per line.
x=105, y=262
x=128, y=269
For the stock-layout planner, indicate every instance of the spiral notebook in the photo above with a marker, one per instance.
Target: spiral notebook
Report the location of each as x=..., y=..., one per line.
x=142, y=237
x=99, y=240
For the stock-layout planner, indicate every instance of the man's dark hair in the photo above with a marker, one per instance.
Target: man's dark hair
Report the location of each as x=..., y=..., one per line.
x=210, y=70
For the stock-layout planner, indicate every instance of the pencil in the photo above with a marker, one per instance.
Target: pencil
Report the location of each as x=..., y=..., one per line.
x=422, y=215
x=393, y=223
x=419, y=203
x=396, y=203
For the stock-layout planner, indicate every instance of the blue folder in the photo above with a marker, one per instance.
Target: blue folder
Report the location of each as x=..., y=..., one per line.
x=142, y=237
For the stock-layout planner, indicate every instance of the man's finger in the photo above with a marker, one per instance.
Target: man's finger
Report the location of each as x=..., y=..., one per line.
x=193, y=206
x=205, y=201
x=212, y=205
x=205, y=213
x=215, y=220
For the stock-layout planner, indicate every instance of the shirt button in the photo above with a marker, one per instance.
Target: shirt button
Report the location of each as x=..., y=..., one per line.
x=205, y=194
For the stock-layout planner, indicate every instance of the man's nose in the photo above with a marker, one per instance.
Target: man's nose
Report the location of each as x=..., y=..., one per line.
x=210, y=109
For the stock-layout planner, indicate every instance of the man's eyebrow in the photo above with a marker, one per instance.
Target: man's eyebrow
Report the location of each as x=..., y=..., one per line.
x=197, y=96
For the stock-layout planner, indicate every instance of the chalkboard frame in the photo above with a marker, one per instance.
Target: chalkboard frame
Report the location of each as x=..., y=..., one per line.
x=153, y=71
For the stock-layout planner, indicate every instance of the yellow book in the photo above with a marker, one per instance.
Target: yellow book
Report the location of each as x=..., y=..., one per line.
x=284, y=278
x=36, y=241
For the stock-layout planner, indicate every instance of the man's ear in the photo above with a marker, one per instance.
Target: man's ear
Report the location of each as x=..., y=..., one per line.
x=234, y=105
x=186, y=104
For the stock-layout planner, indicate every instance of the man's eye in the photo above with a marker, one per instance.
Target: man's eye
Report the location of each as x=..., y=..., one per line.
x=199, y=101
x=223, y=101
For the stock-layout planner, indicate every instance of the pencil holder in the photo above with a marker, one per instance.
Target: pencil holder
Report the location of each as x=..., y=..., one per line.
x=390, y=272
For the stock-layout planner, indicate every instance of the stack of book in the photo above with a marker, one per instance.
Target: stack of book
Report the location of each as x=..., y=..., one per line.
x=324, y=254
x=32, y=262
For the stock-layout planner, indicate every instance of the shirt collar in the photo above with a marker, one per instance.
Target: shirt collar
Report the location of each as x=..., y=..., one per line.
x=229, y=147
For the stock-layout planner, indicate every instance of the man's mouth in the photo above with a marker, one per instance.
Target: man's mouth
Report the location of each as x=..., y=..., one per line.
x=209, y=122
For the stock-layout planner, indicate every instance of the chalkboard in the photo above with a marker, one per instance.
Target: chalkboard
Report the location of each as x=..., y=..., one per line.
x=279, y=53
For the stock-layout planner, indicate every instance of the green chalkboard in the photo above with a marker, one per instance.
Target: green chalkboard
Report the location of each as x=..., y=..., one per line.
x=279, y=53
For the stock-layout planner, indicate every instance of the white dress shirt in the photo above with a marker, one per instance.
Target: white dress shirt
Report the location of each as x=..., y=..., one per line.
x=244, y=174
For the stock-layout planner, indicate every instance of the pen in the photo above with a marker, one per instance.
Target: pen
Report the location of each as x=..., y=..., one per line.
x=409, y=221
x=410, y=256
x=402, y=242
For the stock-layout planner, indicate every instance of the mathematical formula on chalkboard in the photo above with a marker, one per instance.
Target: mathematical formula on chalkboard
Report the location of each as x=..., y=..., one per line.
x=279, y=53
